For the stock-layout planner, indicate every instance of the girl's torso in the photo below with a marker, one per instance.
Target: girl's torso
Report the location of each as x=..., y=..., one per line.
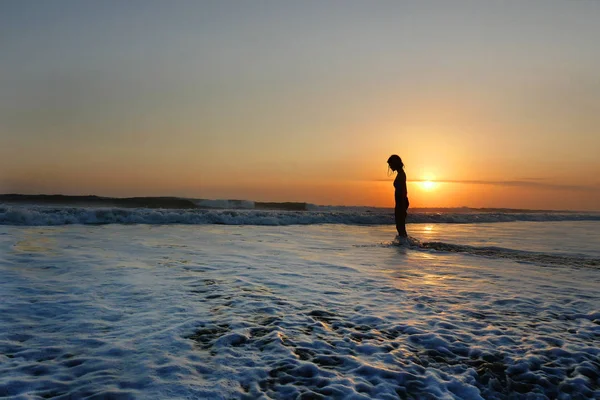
x=400, y=185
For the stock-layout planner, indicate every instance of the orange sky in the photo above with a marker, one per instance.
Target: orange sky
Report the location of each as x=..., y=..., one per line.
x=304, y=102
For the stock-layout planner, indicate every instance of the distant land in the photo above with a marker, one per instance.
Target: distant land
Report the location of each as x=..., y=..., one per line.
x=171, y=202
x=135, y=202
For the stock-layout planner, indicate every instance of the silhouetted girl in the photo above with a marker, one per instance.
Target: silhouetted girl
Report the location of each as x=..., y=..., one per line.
x=401, y=195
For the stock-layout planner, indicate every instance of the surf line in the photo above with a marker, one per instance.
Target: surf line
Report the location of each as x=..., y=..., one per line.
x=516, y=255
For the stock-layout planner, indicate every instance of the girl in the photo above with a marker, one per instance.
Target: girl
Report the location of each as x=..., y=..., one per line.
x=401, y=195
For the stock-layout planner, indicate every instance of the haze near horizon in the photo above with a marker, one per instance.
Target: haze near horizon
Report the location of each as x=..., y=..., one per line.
x=488, y=104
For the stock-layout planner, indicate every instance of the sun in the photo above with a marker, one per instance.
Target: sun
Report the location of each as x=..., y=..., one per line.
x=428, y=185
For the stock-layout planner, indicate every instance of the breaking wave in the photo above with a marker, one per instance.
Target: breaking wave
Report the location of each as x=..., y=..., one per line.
x=35, y=215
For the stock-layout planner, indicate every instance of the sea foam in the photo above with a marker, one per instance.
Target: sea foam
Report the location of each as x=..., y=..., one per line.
x=35, y=215
x=220, y=312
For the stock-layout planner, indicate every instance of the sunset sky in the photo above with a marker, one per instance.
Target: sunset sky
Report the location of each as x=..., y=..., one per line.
x=496, y=102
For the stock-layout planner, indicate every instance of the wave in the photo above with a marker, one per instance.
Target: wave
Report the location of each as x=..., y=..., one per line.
x=35, y=215
x=533, y=257
x=40, y=215
x=516, y=255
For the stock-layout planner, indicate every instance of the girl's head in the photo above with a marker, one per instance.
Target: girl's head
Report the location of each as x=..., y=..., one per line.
x=395, y=162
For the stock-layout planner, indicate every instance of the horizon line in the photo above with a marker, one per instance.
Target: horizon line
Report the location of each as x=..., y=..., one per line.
x=302, y=202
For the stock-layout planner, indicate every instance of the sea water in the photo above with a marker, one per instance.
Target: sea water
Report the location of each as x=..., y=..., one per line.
x=157, y=311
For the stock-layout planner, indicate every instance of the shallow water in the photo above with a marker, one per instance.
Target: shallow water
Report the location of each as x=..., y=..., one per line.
x=572, y=238
x=151, y=311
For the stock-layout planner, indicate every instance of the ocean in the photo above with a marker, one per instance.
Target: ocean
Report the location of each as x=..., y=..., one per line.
x=230, y=300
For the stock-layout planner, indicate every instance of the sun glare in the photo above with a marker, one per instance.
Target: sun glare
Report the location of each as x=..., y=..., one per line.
x=428, y=185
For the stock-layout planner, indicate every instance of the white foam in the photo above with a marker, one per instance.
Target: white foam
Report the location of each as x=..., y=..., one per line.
x=45, y=215
x=282, y=312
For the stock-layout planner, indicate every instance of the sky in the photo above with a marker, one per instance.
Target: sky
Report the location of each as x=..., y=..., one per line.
x=497, y=103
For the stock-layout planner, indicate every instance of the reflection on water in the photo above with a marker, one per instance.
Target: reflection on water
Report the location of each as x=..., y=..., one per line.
x=558, y=237
x=37, y=240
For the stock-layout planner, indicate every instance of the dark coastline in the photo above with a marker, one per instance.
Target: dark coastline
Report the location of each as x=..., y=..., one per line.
x=131, y=202
x=59, y=199
x=170, y=202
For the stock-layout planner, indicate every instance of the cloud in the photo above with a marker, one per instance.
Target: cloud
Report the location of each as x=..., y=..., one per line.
x=525, y=183
x=529, y=183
